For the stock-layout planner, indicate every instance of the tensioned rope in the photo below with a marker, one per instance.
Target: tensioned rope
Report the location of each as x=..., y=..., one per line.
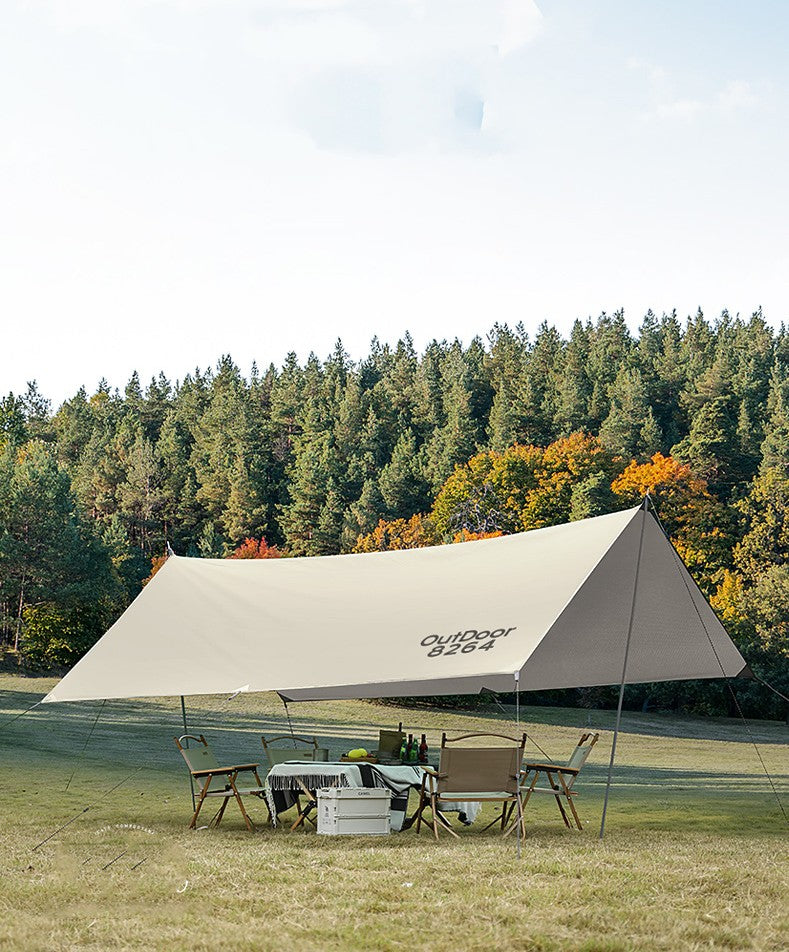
x=16, y=717
x=87, y=741
x=85, y=809
x=720, y=665
x=529, y=738
x=770, y=687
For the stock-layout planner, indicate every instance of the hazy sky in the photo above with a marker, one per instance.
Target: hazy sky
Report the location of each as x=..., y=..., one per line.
x=185, y=178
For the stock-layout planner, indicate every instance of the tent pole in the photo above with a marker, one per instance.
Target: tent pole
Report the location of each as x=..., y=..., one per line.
x=186, y=731
x=624, y=667
x=518, y=778
x=290, y=723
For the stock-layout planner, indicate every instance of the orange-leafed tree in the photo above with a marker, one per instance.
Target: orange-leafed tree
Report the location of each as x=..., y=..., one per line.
x=413, y=533
x=156, y=563
x=252, y=548
x=567, y=467
x=487, y=493
x=464, y=536
x=700, y=527
x=526, y=487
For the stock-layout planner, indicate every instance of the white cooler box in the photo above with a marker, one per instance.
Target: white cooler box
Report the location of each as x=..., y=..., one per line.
x=343, y=811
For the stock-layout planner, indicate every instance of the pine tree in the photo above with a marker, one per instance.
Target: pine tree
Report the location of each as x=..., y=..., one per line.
x=610, y=348
x=621, y=429
x=402, y=484
x=503, y=421
x=456, y=440
x=573, y=386
x=775, y=448
x=537, y=394
x=711, y=446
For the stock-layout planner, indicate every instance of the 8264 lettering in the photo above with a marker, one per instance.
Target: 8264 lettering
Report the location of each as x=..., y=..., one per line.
x=463, y=642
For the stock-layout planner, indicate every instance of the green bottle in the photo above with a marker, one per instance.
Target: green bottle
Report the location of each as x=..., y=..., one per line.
x=413, y=751
x=403, y=751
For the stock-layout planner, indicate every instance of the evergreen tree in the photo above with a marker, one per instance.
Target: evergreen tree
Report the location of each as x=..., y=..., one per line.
x=402, y=484
x=573, y=387
x=47, y=554
x=711, y=446
x=621, y=432
x=775, y=448
x=456, y=440
x=610, y=348
x=537, y=394
x=13, y=428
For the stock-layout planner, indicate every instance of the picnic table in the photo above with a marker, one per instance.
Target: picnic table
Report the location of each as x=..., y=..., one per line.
x=287, y=782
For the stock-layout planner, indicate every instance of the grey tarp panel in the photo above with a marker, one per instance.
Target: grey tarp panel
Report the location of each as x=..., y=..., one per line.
x=553, y=604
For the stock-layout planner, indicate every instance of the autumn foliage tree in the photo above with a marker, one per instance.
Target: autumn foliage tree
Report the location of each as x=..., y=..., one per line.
x=413, y=533
x=700, y=527
x=255, y=549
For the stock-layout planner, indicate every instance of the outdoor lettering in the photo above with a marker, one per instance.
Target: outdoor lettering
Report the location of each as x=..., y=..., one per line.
x=463, y=642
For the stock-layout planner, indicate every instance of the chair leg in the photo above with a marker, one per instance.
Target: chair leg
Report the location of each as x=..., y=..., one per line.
x=557, y=794
x=434, y=812
x=201, y=798
x=419, y=810
x=220, y=812
x=311, y=802
x=422, y=804
x=439, y=820
x=570, y=803
x=231, y=778
x=496, y=819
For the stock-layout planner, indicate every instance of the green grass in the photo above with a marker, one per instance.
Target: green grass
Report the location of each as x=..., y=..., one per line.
x=695, y=857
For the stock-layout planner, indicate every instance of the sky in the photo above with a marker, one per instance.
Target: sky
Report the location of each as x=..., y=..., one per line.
x=183, y=179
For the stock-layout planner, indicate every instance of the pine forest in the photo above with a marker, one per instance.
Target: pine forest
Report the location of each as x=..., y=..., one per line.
x=509, y=433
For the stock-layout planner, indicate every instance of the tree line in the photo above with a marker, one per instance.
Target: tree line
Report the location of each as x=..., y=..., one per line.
x=400, y=448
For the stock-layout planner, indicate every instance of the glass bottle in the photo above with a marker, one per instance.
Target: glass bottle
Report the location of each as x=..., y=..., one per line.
x=423, y=750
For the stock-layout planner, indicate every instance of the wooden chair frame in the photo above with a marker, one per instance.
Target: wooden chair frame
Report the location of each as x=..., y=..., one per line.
x=390, y=741
x=268, y=748
x=311, y=804
x=474, y=785
x=205, y=775
x=560, y=780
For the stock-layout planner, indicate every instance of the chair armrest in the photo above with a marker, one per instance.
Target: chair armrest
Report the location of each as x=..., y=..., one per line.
x=210, y=771
x=430, y=772
x=246, y=766
x=554, y=768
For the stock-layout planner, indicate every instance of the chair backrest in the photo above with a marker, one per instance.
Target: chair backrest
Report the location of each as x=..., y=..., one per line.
x=582, y=751
x=480, y=769
x=390, y=742
x=199, y=757
x=280, y=755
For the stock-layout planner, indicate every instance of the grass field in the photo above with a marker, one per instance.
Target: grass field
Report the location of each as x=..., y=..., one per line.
x=696, y=854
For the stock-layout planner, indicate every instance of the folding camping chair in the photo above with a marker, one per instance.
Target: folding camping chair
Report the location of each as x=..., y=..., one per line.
x=472, y=774
x=560, y=779
x=203, y=768
x=390, y=743
x=280, y=755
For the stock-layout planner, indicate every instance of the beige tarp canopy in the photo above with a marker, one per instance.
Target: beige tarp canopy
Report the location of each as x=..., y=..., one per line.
x=554, y=605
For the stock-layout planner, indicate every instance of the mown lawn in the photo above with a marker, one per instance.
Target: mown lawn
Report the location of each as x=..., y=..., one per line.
x=696, y=854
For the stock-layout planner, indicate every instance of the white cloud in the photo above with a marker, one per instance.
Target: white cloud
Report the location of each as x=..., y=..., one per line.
x=391, y=77
x=668, y=104
x=737, y=95
x=680, y=109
